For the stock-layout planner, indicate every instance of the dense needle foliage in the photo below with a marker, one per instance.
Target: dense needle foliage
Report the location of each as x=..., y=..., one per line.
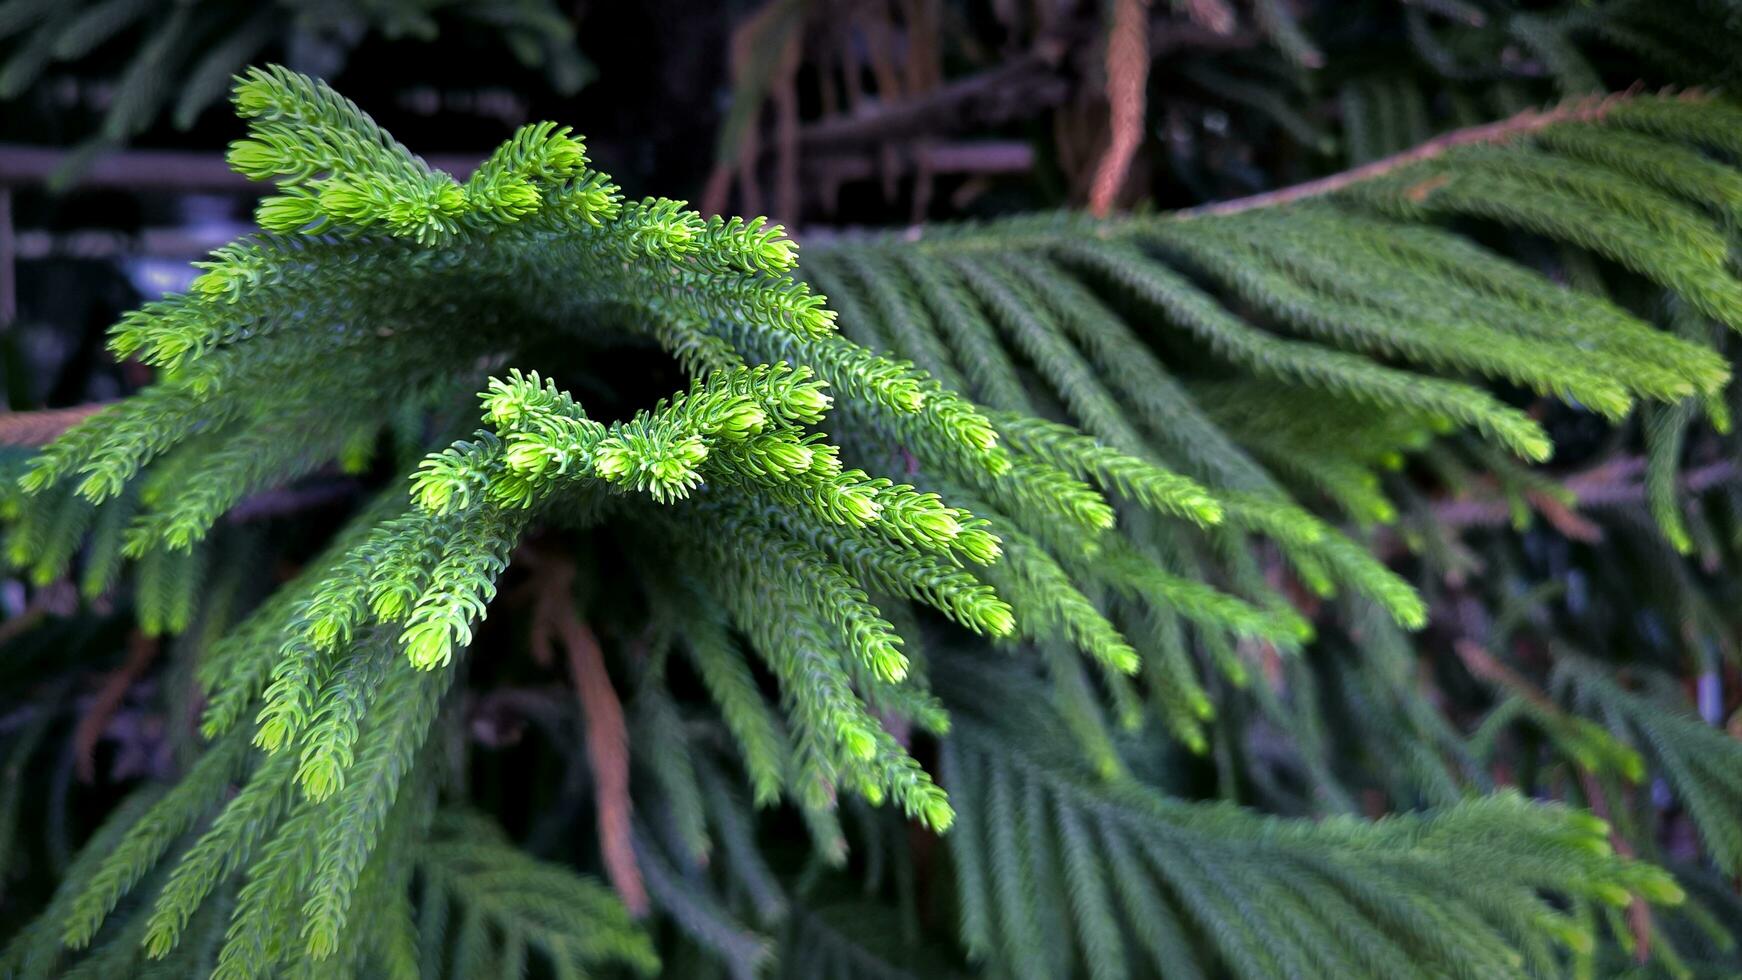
x=1008, y=533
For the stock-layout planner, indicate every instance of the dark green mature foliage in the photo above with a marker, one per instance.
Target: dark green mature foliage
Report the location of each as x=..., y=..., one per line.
x=1045, y=524
x=184, y=53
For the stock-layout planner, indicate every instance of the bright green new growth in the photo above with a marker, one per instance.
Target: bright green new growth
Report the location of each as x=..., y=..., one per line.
x=1052, y=486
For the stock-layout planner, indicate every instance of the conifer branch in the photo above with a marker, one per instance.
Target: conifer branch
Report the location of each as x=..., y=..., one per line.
x=1139, y=457
x=1586, y=110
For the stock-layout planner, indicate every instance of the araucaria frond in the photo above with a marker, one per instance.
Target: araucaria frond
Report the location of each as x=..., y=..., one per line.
x=977, y=525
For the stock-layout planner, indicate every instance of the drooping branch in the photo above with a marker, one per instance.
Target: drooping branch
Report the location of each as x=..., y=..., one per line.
x=1581, y=110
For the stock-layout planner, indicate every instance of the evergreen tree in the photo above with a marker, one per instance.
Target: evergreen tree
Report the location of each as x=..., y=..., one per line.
x=960, y=604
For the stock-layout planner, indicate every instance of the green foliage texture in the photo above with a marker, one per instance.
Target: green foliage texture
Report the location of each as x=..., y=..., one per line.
x=1020, y=519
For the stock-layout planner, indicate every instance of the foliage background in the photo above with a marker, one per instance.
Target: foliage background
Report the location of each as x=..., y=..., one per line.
x=1561, y=599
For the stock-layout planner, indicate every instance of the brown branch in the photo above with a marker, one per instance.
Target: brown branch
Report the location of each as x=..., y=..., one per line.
x=22, y=623
x=1564, y=519
x=784, y=98
x=141, y=651
x=715, y=190
x=1527, y=122
x=742, y=54
x=1638, y=913
x=1596, y=493
x=55, y=599
x=872, y=17
x=977, y=158
x=41, y=427
x=171, y=170
x=556, y=625
x=1016, y=88
x=291, y=500
x=1482, y=664
x=1214, y=16
x=1613, y=484
x=1127, y=78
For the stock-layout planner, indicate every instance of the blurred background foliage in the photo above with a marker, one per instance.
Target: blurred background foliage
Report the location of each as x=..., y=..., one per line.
x=839, y=116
